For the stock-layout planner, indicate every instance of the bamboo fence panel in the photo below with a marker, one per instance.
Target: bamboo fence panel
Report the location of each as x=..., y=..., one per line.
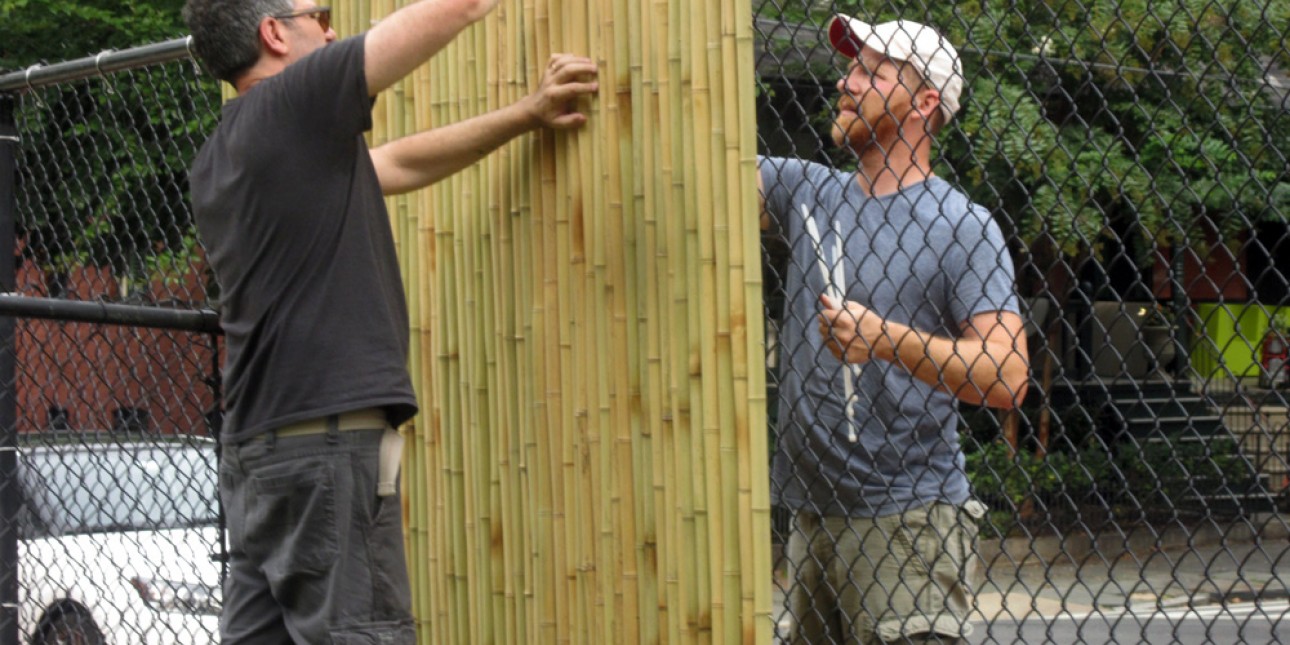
x=590, y=461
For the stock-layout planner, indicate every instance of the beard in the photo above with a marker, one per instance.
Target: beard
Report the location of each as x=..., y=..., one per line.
x=857, y=131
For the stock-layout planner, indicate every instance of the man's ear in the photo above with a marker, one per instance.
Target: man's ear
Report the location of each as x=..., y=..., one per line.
x=927, y=102
x=272, y=38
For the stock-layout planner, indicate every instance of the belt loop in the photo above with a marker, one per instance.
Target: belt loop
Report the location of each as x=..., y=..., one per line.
x=333, y=429
x=270, y=438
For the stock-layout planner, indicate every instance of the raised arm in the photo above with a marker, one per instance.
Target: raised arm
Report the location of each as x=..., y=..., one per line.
x=405, y=39
x=421, y=159
x=988, y=364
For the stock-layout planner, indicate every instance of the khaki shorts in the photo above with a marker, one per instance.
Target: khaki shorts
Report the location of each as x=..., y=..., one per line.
x=875, y=580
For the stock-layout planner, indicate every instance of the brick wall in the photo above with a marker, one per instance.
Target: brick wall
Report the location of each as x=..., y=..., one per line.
x=95, y=377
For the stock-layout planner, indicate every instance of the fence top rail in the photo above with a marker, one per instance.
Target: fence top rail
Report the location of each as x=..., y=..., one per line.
x=193, y=320
x=98, y=65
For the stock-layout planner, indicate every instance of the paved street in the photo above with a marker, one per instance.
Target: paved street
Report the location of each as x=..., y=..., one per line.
x=1246, y=622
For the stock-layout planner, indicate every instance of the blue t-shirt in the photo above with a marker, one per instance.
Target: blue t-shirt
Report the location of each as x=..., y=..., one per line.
x=924, y=256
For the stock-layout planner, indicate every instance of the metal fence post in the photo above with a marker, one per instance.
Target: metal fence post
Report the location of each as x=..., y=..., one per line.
x=1182, y=315
x=8, y=386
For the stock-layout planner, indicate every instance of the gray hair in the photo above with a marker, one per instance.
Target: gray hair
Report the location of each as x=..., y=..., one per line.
x=226, y=32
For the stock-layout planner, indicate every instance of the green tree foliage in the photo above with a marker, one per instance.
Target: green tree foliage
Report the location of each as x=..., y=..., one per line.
x=1157, y=114
x=103, y=168
x=1165, y=478
x=34, y=31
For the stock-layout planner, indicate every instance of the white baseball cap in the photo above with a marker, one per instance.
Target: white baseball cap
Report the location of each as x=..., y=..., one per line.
x=904, y=40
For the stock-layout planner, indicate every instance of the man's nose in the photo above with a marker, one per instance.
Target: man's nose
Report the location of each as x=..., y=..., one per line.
x=847, y=88
x=844, y=88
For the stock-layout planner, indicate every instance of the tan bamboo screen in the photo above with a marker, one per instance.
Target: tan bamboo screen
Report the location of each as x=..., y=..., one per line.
x=589, y=465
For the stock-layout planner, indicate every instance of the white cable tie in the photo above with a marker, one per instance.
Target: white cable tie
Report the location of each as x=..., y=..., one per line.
x=840, y=284
x=27, y=76
x=30, y=88
x=98, y=66
x=833, y=286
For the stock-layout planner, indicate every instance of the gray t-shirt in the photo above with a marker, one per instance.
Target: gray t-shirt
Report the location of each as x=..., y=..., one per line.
x=290, y=211
x=925, y=257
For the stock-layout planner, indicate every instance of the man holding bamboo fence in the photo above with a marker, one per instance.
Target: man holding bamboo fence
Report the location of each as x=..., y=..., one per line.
x=911, y=288
x=289, y=205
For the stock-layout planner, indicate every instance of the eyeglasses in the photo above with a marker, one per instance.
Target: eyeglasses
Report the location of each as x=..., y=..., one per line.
x=321, y=14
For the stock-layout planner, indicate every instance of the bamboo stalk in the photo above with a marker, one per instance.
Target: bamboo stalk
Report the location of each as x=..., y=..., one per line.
x=433, y=620
x=701, y=238
x=637, y=455
x=678, y=518
x=689, y=279
x=625, y=423
x=549, y=614
x=651, y=448
x=511, y=529
x=748, y=369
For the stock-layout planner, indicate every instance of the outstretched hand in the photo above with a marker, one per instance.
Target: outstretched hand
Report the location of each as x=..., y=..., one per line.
x=566, y=79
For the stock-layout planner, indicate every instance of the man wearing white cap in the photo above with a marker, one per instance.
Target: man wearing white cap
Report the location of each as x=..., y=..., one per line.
x=900, y=304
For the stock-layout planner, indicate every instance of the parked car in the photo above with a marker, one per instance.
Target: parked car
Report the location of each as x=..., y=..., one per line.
x=117, y=541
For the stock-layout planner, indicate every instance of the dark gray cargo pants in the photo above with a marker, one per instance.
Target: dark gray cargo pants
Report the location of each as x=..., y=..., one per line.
x=316, y=556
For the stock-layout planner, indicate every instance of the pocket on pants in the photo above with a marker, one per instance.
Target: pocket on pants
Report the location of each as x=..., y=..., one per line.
x=291, y=518
x=387, y=633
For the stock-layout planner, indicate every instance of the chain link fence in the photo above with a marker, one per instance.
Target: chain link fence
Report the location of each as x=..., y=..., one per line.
x=110, y=407
x=1133, y=157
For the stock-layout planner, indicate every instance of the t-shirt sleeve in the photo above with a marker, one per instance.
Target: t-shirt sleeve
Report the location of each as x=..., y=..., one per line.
x=780, y=176
x=327, y=90
x=981, y=275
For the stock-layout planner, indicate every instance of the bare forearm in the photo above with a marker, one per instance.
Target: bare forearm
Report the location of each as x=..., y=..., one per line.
x=424, y=158
x=977, y=371
x=405, y=39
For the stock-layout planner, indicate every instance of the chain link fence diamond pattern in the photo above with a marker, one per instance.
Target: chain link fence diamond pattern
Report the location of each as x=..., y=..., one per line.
x=115, y=391
x=1132, y=158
